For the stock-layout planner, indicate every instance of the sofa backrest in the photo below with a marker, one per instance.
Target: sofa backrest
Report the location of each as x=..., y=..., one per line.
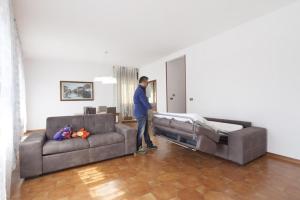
x=245, y=124
x=56, y=123
x=99, y=123
x=96, y=123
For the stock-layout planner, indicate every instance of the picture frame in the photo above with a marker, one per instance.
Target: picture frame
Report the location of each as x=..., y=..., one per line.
x=76, y=91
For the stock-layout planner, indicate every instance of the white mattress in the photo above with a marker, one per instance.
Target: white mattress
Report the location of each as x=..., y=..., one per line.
x=184, y=117
x=193, y=117
x=224, y=127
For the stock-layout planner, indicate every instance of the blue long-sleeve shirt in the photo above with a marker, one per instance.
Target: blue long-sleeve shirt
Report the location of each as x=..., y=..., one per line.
x=141, y=103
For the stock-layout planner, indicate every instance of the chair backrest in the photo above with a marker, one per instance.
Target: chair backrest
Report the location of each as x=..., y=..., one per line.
x=112, y=110
x=102, y=109
x=89, y=110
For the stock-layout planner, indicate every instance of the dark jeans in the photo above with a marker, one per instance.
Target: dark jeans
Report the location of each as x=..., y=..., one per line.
x=143, y=129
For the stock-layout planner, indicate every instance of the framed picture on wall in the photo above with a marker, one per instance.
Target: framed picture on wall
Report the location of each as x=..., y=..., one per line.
x=76, y=91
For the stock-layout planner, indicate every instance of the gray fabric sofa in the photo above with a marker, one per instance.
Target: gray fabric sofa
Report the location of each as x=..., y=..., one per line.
x=240, y=146
x=40, y=154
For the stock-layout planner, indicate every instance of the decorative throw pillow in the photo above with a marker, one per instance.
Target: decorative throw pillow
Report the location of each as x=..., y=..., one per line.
x=81, y=133
x=64, y=133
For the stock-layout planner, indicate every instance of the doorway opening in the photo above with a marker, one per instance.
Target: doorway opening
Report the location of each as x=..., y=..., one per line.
x=151, y=93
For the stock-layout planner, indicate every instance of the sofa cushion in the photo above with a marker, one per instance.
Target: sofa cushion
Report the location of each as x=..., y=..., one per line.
x=105, y=139
x=183, y=126
x=162, y=121
x=99, y=123
x=56, y=123
x=54, y=147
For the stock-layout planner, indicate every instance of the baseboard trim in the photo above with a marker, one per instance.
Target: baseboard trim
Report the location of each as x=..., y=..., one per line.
x=284, y=158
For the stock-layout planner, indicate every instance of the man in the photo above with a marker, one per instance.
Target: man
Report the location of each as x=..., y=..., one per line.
x=141, y=107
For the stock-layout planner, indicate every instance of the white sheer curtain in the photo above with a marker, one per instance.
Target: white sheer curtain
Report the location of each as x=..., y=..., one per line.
x=12, y=96
x=124, y=89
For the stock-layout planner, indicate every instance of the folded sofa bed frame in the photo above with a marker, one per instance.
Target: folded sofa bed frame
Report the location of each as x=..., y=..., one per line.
x=240, y=146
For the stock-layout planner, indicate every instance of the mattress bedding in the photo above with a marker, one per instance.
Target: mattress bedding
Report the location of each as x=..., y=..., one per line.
x=186, y=122
x=184, y=117
x=224, y=127
x=233, y=140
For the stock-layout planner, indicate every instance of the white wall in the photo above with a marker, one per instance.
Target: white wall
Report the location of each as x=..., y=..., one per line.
x=251, y=72
x=157, y=71
x=43, y=89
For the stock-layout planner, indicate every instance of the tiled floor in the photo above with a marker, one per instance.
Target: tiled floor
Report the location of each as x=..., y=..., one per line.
x=171, y=172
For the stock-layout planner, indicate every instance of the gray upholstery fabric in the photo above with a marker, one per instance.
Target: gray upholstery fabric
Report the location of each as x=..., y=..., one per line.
x=59, y=155
x=74, y=144
x=105, y=139
x=243, y=146
x=31, y=155
x=106, y=152
x=130, y=137
x=161, y=121
x=61, y=161
x=209, y=133
x=56, y=123
x=183, y=126
x=243, y=123
x=247, y=144
x=222, y=151
x=172, y=130
x=99, y=123
x=207, y=145
x=186, y=128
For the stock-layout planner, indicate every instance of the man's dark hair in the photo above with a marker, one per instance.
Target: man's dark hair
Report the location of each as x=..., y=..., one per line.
x=143, y=78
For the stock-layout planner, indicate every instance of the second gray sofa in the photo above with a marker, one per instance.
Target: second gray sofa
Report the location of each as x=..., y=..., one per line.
x=40, y=154
x=241, y=146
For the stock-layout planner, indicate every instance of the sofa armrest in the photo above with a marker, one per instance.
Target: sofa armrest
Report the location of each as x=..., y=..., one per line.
x=31, y=151
x=130, y=137
x=247, y=144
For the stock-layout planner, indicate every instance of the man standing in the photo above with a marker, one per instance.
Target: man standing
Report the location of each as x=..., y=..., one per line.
x=141, y=107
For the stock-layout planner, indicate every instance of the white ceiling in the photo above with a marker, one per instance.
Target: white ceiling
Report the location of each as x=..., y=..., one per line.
x=134, y=32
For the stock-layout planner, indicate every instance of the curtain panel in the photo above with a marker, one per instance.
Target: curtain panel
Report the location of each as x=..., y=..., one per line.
x=12, y=96
x=127, y=81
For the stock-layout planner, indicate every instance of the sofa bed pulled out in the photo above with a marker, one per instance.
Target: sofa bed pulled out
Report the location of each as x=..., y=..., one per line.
x=237, y=141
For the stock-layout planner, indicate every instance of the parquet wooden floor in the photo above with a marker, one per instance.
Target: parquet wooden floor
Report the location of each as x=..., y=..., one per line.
x=171, y=172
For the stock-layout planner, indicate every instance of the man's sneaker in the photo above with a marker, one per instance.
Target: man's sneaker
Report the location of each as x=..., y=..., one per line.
x=152, y=147
x=141, y=150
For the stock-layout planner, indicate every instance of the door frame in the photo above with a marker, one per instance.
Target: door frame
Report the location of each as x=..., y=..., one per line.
x=183, y=56
x=154, y=81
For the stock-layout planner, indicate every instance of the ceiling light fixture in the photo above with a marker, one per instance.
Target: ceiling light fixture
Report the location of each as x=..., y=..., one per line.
x=106, y=80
